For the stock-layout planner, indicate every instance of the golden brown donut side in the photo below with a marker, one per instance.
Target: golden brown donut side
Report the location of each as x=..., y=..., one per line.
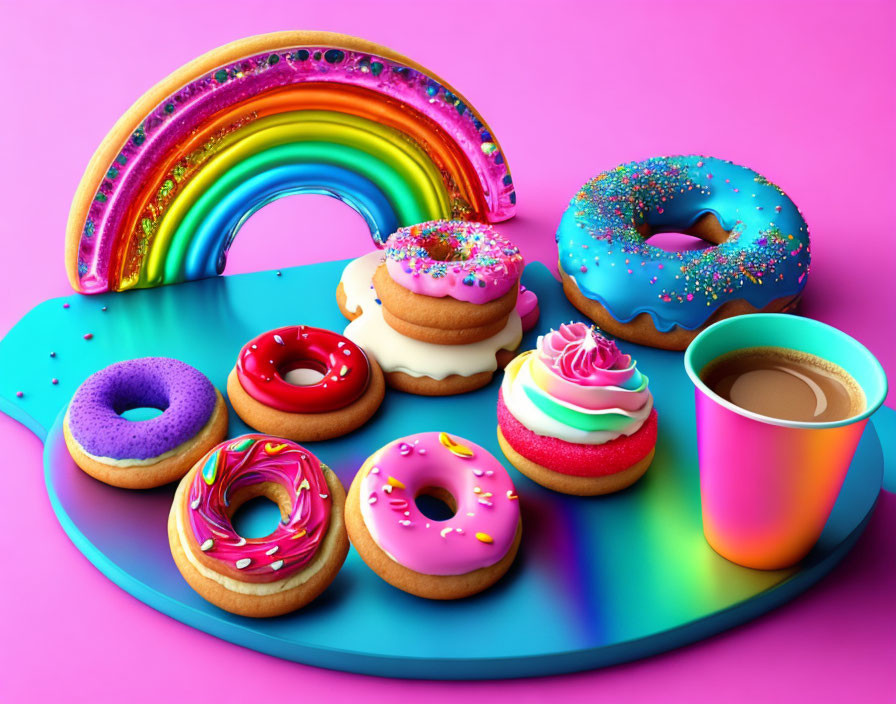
x=441, y=321
x=308, y=427
x=641, y=329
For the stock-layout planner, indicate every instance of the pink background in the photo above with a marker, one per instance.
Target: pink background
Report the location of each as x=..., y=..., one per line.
x=803, y=92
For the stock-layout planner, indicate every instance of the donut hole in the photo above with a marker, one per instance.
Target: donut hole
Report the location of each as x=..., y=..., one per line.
x=677, y=242
x=442, y=251
x=141, y=413
x=436, y=503
x=144, y=400
x=303, y=372
x=706, y=232
x=257, y=510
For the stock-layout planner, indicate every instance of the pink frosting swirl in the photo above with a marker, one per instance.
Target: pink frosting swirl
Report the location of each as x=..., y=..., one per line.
x=580, y=354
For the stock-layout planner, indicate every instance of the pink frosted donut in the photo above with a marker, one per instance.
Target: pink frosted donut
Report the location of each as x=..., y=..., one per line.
x=467, y=261
x=436, y=559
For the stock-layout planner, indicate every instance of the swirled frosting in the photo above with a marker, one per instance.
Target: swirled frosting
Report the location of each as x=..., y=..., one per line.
x=468, y=261
x=578, y=387
x=235, y=466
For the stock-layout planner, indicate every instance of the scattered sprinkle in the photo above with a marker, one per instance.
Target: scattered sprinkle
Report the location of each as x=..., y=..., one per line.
x=455, y=447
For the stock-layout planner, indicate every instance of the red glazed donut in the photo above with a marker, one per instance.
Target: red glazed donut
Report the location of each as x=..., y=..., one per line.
x=347, y=395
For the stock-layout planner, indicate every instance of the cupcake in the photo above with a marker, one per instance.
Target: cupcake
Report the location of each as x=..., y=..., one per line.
x=575, y=414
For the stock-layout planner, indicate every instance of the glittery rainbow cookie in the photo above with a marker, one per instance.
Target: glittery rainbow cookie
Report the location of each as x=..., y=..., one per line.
x=267, y=116
x=575, y=414
x=758, y=259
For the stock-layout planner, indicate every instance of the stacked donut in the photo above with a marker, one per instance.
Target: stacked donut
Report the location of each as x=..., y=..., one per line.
x=441, y=308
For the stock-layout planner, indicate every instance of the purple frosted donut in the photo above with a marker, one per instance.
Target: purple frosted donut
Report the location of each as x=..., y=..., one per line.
x=147, y=453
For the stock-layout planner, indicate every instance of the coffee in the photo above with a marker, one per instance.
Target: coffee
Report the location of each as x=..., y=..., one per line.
x=786, y=384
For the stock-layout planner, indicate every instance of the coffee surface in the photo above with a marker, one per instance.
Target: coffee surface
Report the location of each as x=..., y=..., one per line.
x=785, y=384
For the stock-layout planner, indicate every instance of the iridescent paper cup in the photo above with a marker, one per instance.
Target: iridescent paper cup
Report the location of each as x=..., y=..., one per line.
x=767, y=485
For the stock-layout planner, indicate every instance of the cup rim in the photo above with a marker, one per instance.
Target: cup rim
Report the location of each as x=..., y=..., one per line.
x=871, y=404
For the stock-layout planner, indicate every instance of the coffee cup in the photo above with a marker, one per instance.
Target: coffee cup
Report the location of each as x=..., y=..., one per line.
x=767, y=485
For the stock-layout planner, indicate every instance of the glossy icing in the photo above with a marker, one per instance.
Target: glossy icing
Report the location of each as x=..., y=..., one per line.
x=478, y=535
x=185, y=396
x=578, y=387
x=527, y=308
x=396, y=353
x=412, y=111
x=263, y=361
x=468, y=261
x=243, y=462
x=765, y=257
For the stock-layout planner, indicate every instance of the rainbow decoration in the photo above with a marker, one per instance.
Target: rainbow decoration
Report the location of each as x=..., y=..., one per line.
x=268, y=116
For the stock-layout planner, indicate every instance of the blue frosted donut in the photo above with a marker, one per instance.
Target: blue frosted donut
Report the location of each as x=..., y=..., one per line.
x=759, y=261
x=147, y=453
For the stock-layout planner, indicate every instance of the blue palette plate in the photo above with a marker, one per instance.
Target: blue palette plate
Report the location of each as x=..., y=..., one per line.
x=597, y=581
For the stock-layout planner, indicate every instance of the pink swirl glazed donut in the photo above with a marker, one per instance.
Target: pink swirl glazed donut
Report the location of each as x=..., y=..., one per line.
x=435, y=559
x=258, y=576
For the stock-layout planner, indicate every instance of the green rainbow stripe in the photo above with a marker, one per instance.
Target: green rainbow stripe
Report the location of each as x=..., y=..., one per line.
x=607, y=421
x=398, y=166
